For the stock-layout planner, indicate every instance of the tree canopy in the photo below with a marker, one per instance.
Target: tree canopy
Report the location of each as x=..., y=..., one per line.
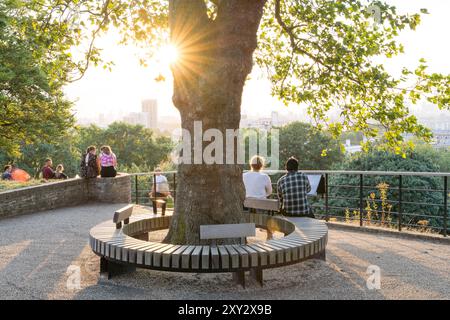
x=315, y=150
x=33, y=68
x=319, y=54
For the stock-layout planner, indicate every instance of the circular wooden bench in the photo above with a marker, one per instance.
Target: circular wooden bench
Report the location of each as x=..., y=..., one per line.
x=122, y=247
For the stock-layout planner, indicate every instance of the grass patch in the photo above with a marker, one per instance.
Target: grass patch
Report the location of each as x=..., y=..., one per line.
x=6, y=185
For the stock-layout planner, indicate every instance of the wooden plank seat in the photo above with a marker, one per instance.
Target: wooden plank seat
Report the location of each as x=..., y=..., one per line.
x=122, y=250
x=271, y=205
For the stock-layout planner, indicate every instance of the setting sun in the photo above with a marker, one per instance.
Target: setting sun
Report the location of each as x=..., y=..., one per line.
x=169, y=54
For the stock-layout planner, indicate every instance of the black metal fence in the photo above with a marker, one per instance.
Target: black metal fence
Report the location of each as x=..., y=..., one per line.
x=400, y=200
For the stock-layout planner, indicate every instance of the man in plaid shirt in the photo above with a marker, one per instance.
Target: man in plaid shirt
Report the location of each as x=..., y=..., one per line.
x=292, y=189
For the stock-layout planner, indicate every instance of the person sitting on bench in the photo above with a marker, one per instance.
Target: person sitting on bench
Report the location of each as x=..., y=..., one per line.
x=292, y=189
x=160, y=185
x=160, y=191
x=257, y=184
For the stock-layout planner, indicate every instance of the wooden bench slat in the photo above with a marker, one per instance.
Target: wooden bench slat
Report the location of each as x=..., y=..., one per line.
x=157, y=254
x=205, y=257
x=224, y=257
x=262, y=254
x=286, y=247
x=272, y=254
x=176, y=256
x=243, y=256
x=195, y=257
x=128, y=253
x=215, y=257
x=148, y=254
x=234, y=256
x=186, y=257
x=281, y=252
x=253, y=255
x=140, y=253
x=167, y=255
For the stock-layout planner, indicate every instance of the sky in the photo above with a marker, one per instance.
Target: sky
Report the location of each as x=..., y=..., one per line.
x=123, y=89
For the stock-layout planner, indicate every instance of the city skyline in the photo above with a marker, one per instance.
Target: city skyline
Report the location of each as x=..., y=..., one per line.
x=129, y=83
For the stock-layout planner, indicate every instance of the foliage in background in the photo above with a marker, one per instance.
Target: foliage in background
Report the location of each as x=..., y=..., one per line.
x=34, y=64
x=132, y=144
x=137, y=149
x=315, y=150
x=378, y=160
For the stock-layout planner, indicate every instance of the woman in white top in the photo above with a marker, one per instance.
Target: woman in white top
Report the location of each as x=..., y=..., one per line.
x=257, y=184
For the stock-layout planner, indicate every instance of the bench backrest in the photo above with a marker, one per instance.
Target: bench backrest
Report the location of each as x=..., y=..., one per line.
x=262, y=204
x=227, y=231
x=123, y=214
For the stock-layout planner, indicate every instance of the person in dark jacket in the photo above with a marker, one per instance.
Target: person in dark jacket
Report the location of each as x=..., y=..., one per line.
x=59, y=174
x=6, y=175
x=90, y=166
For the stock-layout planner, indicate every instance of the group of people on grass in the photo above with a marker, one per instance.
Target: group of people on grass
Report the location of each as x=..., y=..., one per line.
x=12, y=173
x=48, y=173
x=292, y=188
x=92, y=165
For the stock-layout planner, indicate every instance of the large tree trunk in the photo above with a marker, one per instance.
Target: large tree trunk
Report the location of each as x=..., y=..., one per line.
x=215, y=59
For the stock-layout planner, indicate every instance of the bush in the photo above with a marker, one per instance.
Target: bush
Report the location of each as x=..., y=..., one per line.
x=381, y=192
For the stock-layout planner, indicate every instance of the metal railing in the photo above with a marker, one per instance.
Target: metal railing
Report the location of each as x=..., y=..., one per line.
x=411, y=200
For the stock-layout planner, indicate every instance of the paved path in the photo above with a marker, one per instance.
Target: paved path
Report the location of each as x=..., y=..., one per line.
x=39, y=253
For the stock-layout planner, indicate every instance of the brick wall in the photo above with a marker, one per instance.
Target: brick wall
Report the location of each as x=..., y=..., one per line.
x=66, y=193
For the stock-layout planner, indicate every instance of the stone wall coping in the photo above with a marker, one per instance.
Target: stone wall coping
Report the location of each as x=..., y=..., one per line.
x=59, y=182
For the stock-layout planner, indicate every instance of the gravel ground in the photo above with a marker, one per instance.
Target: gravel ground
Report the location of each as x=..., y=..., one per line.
x=41, y=253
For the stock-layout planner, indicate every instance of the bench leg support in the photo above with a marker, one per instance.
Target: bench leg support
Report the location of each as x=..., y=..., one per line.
x=257, y=275
x=155, y=207
x=239, y=278
x=321, y=255
x=110, y=269
x=163, y=208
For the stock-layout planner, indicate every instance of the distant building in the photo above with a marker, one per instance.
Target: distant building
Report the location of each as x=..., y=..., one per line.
x=441, y=138
x=135, y=118
x=150, y=108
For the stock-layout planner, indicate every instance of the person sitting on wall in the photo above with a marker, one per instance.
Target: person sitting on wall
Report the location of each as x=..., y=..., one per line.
x=59, y=174
x=7, y=173
x=47, y=170
x=90, y=164
x=108, y=162
x=292, y=189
